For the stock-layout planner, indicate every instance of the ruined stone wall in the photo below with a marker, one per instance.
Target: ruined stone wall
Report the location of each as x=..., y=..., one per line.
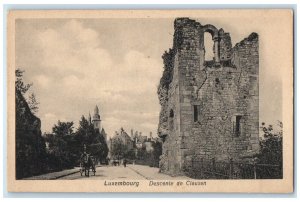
x=170, y=127
x=220, y=94
x=246, y=59
x=225, y=46
x=163, y=95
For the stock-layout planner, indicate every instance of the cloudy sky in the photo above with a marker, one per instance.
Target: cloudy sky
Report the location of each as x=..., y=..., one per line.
x=75, y=64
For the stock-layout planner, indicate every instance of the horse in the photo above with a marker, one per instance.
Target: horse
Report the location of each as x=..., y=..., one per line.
x=87, y=163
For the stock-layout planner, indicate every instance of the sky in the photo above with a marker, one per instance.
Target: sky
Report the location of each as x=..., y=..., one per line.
x=75, y=64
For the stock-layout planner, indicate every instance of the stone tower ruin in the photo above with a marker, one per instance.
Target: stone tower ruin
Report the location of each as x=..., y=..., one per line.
x=209, y=109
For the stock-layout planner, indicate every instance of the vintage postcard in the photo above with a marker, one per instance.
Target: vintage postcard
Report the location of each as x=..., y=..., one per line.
x=150, y=101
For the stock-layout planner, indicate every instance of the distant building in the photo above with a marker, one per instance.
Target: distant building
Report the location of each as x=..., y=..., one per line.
x=135, y=141
x=148, y=145
x=126, y=139
x=139, y=145
x=123, y=137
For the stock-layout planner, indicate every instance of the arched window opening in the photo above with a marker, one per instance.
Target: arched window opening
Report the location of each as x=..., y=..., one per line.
x=209, y=46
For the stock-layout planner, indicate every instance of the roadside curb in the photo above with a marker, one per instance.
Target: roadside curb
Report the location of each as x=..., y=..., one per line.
x=139, y=173
x=57, y=177
x=43, y=177
x=170, y=177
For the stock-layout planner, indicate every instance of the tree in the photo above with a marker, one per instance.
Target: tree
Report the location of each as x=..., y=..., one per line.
x=93, y=139
x=20, y=85
x=66, y=146
x=30, y=145
x=98, y=147
x=103, y=149
x=157, y=152
x=33, y=103
x=60, y=144
x=63, y=128
x=271, y=150
x=142, y=153
x=130, y=154
x=23, y=88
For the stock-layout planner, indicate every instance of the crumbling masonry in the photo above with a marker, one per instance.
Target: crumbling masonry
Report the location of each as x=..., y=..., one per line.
x=209, y=109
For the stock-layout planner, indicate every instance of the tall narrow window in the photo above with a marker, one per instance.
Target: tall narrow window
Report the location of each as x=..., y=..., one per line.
x=171, y=120
x=171, y=113
x=196, y=113
x=238, y=126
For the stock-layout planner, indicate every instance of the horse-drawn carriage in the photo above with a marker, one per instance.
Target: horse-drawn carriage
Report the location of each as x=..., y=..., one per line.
x=116, y=162
x=87, y=162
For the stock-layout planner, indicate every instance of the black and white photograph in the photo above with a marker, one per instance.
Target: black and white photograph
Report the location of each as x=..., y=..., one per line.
x=156, y=97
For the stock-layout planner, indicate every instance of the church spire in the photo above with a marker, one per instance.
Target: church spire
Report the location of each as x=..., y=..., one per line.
x=90, y=118
x=96, y=110
x=96, y=119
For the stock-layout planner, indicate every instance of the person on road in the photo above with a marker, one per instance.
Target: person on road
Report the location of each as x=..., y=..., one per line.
x=124, y=162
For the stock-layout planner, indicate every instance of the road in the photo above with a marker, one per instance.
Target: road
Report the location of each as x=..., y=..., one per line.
x=108, y=173
x=131, y=172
